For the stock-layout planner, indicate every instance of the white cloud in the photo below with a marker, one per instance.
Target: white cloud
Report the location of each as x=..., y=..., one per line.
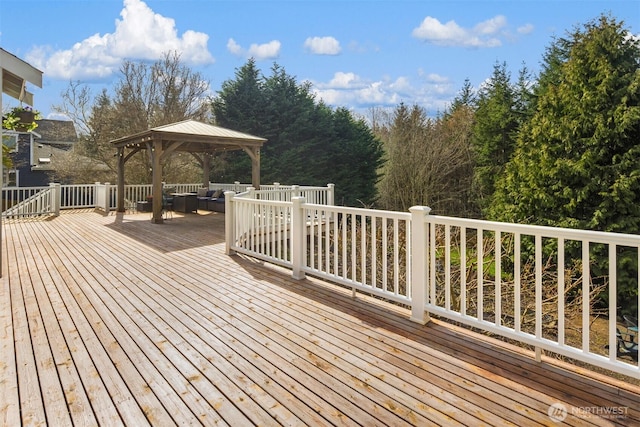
x=436, y=78
x=525, y=29
x=344, y=80
x=483, y=34
x=491, y=26
x=347, y=88
x=322, y=45
x=269, y=50
x=234, y=47
x=140, y=34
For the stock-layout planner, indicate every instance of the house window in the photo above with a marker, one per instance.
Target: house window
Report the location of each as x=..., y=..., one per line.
x=10, y=139
x=11, y=178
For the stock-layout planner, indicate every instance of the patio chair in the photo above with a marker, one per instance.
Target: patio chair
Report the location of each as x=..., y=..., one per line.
x=167, y=207
x=631, y=322
x=626, y=345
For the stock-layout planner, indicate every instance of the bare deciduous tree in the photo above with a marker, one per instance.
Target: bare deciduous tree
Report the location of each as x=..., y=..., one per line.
x=428, y=161
x=146, y=96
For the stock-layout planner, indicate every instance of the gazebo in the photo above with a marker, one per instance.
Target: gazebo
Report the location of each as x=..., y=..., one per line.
x=191, y=136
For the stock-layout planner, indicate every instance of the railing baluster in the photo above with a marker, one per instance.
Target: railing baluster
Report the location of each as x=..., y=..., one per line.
x=463, y=270
x=480, y=274
x=447, y=267
x=538, y=292
x=498, y=279
x=517, y=258
x=561, y=285
x=612, y=301
x=586, y=275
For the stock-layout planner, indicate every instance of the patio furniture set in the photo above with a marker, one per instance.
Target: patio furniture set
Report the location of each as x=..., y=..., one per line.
x=203, y=199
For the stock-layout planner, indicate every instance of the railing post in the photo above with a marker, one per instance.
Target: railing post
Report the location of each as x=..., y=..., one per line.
x=419, y=264
x=56, y=197
x=237, y=185
x=252, y=192
x=331, y=196
x=298, y=225
x=106, y=203
x=229, y=221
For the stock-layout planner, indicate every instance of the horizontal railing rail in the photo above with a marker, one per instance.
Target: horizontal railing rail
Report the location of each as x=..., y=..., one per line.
x=281, y=193
x=80, y=196
x=236, y=187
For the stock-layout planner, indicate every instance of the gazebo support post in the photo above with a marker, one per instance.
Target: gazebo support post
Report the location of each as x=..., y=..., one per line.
x=156, y=159
x=254, y=153
x=120, y=200
x=206, y=169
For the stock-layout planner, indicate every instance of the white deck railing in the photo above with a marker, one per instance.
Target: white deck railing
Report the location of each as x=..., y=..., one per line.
x=26, y=201
x=35, y=201
x=285, y=193
x=519, y=281
x=21, y=202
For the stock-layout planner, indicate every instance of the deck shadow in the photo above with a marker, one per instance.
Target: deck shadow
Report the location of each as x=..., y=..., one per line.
x=179, y=232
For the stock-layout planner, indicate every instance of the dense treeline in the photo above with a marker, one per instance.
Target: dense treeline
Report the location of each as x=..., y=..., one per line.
x=308, y=142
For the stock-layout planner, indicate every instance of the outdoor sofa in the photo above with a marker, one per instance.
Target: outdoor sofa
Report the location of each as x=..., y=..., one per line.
x=211, y=200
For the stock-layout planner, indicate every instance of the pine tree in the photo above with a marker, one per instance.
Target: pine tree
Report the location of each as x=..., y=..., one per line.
x=496, y=125
x=577, y=163
x=307, y=142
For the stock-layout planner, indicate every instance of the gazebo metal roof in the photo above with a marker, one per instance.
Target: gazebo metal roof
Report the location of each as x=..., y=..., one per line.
x=192, y=136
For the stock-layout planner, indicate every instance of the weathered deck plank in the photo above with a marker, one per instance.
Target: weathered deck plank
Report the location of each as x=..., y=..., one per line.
x=112, y=320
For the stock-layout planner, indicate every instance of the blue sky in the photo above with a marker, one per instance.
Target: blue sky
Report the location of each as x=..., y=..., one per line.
x=357, y=54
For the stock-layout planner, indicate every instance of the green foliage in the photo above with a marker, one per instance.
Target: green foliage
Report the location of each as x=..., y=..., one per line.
x=576, y=161
x=14, y=119
x=501, y=109
x=308, y=143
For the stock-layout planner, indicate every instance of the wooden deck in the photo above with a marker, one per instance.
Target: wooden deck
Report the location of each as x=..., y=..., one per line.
x=112, y=320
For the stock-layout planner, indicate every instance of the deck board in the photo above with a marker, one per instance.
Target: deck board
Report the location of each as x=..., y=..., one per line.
x=113, y=320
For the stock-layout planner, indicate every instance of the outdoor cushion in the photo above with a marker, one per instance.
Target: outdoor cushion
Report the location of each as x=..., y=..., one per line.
x=202, y=192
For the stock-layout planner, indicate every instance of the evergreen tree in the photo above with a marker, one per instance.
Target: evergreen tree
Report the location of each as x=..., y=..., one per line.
x=495, y=129
x=577, y=161
x=307, y=142
x=465, y=98
x=355, y=152
x=239, y=105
